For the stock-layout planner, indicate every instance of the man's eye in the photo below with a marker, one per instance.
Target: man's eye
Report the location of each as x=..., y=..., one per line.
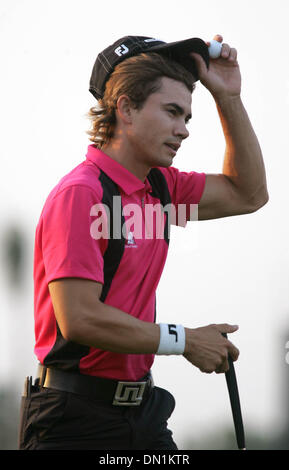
x=172, y=111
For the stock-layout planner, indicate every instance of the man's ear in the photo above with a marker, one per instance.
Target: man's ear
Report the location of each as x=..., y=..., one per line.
x=124, y=108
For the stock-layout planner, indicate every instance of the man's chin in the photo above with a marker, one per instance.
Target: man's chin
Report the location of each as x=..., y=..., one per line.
x=165, y=162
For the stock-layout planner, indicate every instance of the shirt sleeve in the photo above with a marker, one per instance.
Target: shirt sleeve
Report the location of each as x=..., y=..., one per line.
x=186, y=189
x=68, y=247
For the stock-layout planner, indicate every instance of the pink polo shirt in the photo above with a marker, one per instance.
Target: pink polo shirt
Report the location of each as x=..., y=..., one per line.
x=72, y=240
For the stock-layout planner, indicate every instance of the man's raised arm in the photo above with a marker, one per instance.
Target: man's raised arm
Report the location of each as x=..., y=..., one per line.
x=242, y=187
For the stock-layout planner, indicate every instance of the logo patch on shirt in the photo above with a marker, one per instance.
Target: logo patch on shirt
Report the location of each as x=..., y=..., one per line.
x=130, y=242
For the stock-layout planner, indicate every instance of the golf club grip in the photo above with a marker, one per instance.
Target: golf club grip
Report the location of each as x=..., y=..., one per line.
x=235, y=402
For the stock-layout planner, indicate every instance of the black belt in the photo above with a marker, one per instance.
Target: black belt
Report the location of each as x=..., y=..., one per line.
x=118, y=393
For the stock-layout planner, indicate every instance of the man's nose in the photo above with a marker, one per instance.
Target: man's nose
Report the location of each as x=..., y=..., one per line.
x=181, y=130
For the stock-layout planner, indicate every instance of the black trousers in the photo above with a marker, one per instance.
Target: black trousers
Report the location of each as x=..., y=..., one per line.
x=56, y=420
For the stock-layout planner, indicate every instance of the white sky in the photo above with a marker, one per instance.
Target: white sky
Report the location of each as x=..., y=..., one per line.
x=237, y=269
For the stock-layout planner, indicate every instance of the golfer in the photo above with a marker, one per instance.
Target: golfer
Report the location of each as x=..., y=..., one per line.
x=102, y=240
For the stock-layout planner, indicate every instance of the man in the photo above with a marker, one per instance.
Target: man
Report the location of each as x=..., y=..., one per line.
x=97, y=268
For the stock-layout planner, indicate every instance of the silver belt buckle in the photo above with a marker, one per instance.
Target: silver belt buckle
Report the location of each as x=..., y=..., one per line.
x=129, y=393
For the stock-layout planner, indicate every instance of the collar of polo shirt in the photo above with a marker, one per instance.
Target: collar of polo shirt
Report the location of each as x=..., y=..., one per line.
x=126, y=180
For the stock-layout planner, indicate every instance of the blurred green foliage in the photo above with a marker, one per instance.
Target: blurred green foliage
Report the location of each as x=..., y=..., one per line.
x=9, y=418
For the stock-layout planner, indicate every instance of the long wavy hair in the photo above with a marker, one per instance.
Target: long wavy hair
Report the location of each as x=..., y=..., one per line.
x=137, y=77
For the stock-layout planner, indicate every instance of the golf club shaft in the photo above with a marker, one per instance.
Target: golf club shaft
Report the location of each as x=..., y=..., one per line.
x=235, y=403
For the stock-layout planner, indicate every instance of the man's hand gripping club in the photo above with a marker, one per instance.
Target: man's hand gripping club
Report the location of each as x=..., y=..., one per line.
x=208, y=350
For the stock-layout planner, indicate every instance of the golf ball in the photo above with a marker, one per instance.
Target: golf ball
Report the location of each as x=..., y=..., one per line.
x=215, y=49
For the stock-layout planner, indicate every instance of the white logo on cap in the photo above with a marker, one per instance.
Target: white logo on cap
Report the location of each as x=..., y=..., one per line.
x=152, y=40
x=121, y=50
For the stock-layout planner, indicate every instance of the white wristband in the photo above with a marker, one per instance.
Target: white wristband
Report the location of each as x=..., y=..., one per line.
x=172, y=339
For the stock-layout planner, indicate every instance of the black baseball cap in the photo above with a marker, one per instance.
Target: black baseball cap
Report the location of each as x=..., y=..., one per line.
x=129, y=46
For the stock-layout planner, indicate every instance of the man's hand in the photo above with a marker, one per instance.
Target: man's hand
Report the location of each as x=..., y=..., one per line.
x=207, y=349
x=223, y=78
